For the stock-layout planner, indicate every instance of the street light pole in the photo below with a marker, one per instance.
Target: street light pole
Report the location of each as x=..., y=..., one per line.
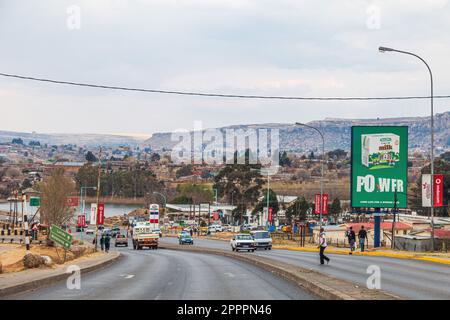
x=323, y=159
x=83, y=206
x=385, y=49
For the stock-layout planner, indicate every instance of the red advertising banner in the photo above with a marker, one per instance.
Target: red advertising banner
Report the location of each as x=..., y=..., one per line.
x=81, y=221
x=325, y=203
x=270, y=218
x=72, y=201
x=215, y=215
x=317, y=204
x=438, y=188
x=101, y=214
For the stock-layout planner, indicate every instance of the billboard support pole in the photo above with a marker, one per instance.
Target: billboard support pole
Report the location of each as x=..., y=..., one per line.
x=376, y=228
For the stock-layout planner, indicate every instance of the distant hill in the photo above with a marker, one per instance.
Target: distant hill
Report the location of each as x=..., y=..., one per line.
x=88, y=140
x=337, y=133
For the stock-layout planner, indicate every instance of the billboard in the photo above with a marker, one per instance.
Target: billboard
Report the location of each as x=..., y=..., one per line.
x=379, y=166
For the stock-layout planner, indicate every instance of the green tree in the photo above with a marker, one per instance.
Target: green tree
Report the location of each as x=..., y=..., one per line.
x=335, y=209
x=242, y=182
x=285, y=161
x=155, y=157
x=90, y=157
x=298, y=210
x=55, y=189
x=184, y=171
x=26, y=183
x=415, y=199
x=273, y=203
x=197, y=193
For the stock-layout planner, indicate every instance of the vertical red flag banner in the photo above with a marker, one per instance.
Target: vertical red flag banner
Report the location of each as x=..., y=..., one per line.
x=215, y=215
x=317, y=204
x=270, y=215
x=101, y=214
x=81, y=220
x=438, y=188
x=325, y=203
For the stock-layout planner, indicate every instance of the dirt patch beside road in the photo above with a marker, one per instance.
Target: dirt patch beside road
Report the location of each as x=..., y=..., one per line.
x=11, y=255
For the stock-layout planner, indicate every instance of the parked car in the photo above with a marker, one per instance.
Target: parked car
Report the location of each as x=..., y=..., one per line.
x=243, y=241
x=226, y=228
x=262, y=239
x=215, y=228
x=121, y=240
x=186, y=239
x=90, y=231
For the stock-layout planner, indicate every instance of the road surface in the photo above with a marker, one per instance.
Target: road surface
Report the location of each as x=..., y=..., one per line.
x=174, y=275
x=410, y=279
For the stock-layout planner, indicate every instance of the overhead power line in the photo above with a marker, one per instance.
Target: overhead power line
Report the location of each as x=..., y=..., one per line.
x=219, y=95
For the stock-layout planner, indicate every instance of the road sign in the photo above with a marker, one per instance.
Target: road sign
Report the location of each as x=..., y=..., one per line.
x=61, y=237
x=154, y=214
x=35, y=201
x=379, y=166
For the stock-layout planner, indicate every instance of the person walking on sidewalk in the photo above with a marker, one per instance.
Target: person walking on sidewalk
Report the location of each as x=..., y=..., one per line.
x=102, y=242
x=107, y=242
x=322, y=246
x=362, y=235
x=351, y=239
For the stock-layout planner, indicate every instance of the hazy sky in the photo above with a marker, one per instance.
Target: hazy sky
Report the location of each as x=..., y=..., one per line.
x=282, y=47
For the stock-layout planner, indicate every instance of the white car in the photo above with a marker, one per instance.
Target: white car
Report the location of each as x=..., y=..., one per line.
x=243, y=241
x=262, y=239
x=215, y=228
x=90, y=231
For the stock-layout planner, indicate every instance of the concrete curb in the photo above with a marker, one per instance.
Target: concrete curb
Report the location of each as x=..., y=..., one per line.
x=321, y=285
x=41, y=282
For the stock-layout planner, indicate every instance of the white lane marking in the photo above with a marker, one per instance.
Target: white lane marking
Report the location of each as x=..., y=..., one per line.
x=129, y=276
x=229, y=274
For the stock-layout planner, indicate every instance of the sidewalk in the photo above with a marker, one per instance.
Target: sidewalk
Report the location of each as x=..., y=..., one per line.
x=17, y=282
x=438, y=257
x=442, y=258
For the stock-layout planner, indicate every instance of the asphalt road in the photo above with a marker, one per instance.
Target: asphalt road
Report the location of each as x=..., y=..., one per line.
x=410, y=279
x=174, y=275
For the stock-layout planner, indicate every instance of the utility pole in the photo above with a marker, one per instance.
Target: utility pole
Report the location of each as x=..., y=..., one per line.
x=98, y=194
x=393, y=220
x=385, y=49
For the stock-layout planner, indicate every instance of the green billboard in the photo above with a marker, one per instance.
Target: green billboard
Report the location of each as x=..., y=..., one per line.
x=379, y=166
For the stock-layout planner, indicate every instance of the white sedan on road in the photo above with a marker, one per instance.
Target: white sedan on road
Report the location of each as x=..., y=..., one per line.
x=243, y=241
x=90, y=231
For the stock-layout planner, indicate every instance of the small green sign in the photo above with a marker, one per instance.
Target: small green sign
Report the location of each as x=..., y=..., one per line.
x=60, y=236
x=35, y=201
